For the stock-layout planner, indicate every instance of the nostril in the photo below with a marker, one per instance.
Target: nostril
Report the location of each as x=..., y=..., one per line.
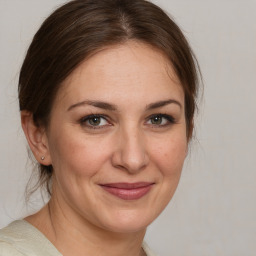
x=132, y=162
x=130, y=152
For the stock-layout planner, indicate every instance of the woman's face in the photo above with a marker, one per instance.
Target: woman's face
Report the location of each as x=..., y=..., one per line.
x=117, y=138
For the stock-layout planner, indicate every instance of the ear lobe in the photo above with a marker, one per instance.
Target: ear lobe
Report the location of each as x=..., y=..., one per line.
x=36, y=137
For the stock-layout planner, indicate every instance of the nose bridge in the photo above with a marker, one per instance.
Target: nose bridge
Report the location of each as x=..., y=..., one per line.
x=131, y=152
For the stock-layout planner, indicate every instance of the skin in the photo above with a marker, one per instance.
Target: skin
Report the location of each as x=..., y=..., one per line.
x=127, y=145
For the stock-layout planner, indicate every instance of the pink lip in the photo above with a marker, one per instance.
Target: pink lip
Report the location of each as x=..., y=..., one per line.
x=128, y=191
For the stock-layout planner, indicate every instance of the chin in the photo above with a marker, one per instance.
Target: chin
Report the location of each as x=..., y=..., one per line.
x=128, y=221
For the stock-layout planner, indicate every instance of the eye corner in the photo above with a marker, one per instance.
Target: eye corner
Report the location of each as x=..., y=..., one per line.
x=161, y=120
x=94, y=121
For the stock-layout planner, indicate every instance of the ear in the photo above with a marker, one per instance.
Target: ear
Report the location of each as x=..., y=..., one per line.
x=36, y=137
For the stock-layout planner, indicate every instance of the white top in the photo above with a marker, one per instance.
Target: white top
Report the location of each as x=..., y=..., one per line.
x=20, y=238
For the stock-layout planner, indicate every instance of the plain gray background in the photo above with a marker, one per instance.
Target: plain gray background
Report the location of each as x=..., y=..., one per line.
x=214, y=209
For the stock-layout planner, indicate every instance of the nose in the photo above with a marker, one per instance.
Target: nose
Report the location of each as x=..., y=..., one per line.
x=130, y=151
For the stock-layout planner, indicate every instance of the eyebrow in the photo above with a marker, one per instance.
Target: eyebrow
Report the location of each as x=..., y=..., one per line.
x=112, y=107
x=97, y=104
x=162, y=103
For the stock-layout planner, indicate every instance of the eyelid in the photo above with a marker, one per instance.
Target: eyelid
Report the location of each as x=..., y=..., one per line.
x=171, y=120
x=84, y=119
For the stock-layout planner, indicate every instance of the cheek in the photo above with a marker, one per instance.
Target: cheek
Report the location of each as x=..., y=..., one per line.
x=78, y=155
x=169, y=156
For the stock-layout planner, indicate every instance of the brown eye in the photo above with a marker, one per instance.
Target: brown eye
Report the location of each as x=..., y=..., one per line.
x=157, y=120
x=160, y=120
x=94, y=121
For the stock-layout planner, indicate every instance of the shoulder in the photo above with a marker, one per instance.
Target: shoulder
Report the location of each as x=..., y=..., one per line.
x=22, y=239
x=7, y=249
x=8, y=236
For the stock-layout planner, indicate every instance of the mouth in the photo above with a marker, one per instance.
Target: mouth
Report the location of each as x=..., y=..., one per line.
x=128, y=191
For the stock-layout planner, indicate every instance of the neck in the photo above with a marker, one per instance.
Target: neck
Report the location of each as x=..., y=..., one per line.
x=72, y=234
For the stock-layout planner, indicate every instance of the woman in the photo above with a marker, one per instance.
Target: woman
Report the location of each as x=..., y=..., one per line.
x=107, y=98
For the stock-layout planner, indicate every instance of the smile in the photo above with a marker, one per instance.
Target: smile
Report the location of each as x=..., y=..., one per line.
x=128, y=191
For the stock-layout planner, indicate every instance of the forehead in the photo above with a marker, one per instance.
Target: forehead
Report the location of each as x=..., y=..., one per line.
x=131, y=70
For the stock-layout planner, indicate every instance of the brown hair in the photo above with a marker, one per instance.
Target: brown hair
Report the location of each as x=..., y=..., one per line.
x=82, y=27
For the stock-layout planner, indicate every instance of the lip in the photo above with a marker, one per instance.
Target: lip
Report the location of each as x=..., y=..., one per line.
x=128, y=191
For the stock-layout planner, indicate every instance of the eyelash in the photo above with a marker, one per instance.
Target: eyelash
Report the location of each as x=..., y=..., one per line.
x=170, y=120
x=90, y=117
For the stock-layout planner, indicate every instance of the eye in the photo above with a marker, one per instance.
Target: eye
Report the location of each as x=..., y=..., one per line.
x=160, y=120
x=94, y=121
